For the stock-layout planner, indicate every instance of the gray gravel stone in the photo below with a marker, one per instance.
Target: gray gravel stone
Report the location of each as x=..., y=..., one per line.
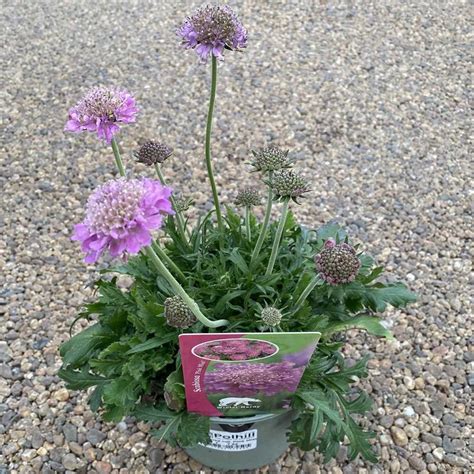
x=70, y=433
x=95, y=436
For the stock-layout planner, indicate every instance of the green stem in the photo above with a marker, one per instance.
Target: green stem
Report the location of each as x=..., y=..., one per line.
x=266, y=220
x=179, y=218
x=208, y=148
x=161, y=253
x=247, y=223
x=118, y=159
x=276, y=242
x=306, y=292
x=179, y=290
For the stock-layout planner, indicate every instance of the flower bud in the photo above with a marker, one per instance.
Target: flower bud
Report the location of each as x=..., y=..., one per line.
x=288, y=184
x=270, y=159
x=177, y=314
x=151, y=153
x=248, y=197
x=337, y=263
x=271, y=316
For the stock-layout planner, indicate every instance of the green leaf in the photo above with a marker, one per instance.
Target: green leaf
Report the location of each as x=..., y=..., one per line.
x=361, y=404
x=167, y=431
x=153, y=413
x=331, y=230
x=80, y=348
x=397, y=295
x=114, y=413
x=95, y=398
x=317, y=400
x=152, y=343
x=357, y=296
x=80, y=379
x=174, y=388
x=373, y=275
x=225, y=299
x=371, y=324
x=238, y=260
x=136, y=367
x=358, y=439
x=316, y=425
x=122, y=391
x=193, y=429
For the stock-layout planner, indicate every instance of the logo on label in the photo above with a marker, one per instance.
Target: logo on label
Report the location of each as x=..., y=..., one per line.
x=239, y=402
x=225, y=441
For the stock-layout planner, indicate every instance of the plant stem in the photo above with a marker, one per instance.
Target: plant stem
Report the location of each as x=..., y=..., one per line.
x=118, y=159
x=192, y=305
x=168, y=261
x=247, y=223
x=179, y=218
x=266, y=220
x=276, y=242
x=208, y=148
x=306, y=292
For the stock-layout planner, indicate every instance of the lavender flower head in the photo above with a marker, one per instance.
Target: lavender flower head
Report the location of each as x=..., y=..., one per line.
x=211, y=29
x=120, y=216
x=337, y=263
x=250, y=379
x=101, y=110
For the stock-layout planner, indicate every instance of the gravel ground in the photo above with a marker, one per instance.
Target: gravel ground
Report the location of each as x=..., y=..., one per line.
x=371, y=97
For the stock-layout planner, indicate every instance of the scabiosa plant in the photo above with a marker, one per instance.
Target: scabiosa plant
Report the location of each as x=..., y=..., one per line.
x=120, y=216
x=130, y=354
x=101, y=110
x=211, y=29
x=337, y=263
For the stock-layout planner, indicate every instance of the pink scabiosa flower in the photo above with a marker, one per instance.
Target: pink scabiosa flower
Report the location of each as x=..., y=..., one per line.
x=101, y=110
x=120, y=216
x=253, y=378
x=211, y=29
x=337, y=263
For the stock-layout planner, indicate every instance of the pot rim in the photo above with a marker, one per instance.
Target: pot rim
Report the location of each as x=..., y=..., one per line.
x=246, y=419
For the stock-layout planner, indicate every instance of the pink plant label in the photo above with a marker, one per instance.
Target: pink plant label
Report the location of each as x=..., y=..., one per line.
x=236, y=374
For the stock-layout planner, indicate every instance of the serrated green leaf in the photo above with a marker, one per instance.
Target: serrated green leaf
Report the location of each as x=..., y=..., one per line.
x=152, y=343
x=122, y=391
x=95, y=398
x=316, y=399
x=81, y=347
x=153, y=413
x=80, y=379
x=193, y=429
x=397, y=295
x=371, y=324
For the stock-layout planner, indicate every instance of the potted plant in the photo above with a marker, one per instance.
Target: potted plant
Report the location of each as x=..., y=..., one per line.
x=229, y=272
